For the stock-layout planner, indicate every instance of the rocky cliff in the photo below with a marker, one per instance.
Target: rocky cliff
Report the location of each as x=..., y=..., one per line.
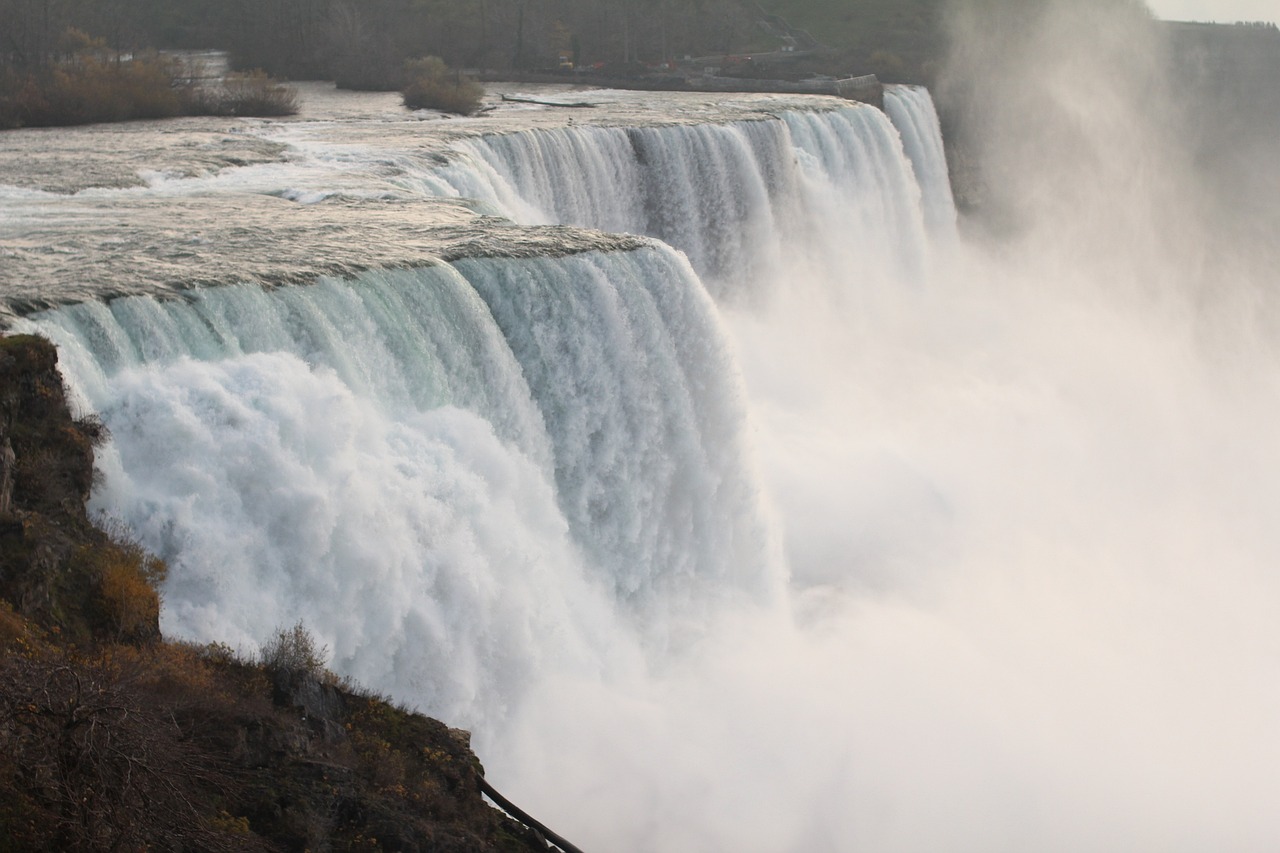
x=112, y=738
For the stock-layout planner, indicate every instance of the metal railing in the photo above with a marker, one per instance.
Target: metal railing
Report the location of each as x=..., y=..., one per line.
x=551, y=839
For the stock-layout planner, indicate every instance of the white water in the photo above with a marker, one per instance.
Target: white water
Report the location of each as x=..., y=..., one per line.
x=736, y=198
x=459, y=476
x=975, y=555
x=913, y=115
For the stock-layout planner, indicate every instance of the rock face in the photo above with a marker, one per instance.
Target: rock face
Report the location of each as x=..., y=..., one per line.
x=328, y=767
x=7, y=460
x=113, y=739
x=54, y=564
x=48, y=459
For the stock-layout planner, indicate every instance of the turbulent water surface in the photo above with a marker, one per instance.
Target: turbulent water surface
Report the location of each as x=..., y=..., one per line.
x=683, y=449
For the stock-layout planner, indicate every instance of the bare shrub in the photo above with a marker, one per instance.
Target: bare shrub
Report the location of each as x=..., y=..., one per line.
x=295, y=651
x=87, y=763
x=91, y=89
x=431, y=85
x=253, y=93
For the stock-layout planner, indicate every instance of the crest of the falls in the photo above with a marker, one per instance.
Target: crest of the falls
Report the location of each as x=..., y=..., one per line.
x=847, y=186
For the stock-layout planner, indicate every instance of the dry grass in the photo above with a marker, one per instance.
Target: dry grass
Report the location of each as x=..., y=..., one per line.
x=251, y=93
x=89, y=760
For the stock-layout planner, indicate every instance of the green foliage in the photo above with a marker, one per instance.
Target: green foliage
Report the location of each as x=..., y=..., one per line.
x=431, y=85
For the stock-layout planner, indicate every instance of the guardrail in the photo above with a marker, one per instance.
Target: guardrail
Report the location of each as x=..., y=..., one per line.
x=859, y=82
x=548, y=837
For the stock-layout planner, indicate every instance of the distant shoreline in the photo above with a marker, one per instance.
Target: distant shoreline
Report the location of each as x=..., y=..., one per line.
x=866, y=89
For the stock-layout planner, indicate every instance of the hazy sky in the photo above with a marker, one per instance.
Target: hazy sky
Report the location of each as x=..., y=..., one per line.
x=1217, y=10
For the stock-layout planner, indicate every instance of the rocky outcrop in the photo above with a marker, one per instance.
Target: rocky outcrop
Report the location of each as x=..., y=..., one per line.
x=55, y=565
x=113, y=739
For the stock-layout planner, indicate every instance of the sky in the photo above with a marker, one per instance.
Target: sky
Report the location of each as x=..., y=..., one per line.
x=1216, y=10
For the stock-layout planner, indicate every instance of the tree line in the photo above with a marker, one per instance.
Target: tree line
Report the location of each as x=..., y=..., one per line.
x=73, y=61
x=65, y=62
x=365, y=42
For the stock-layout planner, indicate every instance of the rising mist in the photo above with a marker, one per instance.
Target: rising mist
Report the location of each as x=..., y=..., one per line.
x=1028, y=511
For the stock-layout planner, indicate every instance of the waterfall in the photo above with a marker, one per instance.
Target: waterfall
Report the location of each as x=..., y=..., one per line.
x=472, y=480
x=736, y=198
x=454, y=475
x=913, y=114
x=795, y=522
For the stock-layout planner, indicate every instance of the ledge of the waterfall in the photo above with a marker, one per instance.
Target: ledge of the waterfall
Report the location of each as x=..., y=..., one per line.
x=116, y=738
x=166, y=246
x=161, y=208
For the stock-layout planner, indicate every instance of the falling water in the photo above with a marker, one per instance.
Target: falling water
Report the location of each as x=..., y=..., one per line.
x=800, y=525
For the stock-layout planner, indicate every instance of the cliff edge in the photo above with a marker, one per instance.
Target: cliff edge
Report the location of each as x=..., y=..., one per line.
x=112, y=738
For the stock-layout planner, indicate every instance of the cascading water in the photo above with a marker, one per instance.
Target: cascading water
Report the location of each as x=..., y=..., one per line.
x=405, y=461
x=911, y=109
x=602, y=382
x=740, y=199
x=896, y=545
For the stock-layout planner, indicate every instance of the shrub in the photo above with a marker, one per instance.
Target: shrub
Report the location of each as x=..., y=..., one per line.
x=431, y=85
x=253, y=93
x=90, y=89
x=295, y=650
x=127, y=579
x=131, y=602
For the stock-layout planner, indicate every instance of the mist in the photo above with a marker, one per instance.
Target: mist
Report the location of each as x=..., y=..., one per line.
x=1027, y=504
x=1219, y=10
